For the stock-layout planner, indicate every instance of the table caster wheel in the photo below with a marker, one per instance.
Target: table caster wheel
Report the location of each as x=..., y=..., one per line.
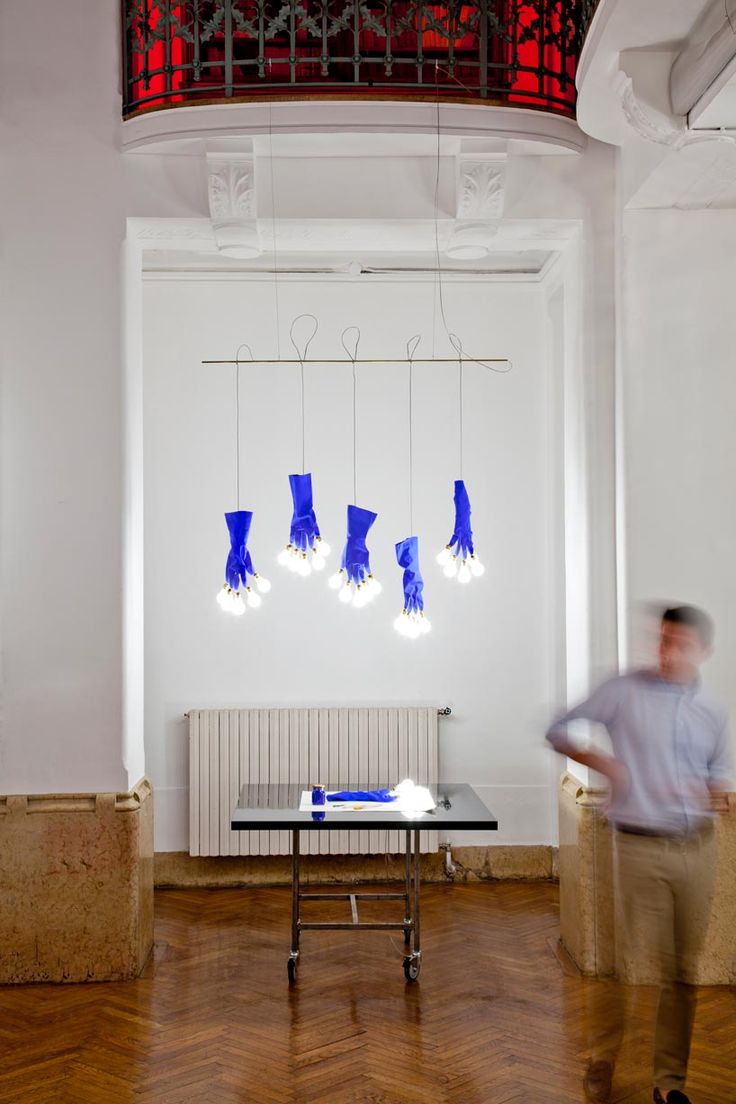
x=412, y=967
x=291, y=969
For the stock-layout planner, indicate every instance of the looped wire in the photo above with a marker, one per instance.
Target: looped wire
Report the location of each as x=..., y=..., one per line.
x=411, y=346
x=354, y=355
x=302, y=353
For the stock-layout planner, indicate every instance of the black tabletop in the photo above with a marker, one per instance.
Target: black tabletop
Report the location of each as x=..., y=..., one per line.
x=277, y=806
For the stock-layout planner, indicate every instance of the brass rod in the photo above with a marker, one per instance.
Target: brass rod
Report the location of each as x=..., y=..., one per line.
x=388, y=360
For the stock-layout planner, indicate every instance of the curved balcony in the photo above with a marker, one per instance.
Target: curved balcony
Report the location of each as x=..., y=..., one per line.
x=521, y=53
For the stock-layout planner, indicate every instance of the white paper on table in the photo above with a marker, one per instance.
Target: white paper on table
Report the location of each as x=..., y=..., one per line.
x=306, y=806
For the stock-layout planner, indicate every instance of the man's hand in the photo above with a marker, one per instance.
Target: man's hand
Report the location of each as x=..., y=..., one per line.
x=722, y=802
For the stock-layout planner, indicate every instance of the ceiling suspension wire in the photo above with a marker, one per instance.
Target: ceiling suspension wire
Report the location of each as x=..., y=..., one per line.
x=273, y=234
x=237, y=419
x=302, y=356
x=354, y=360
x=411, y=347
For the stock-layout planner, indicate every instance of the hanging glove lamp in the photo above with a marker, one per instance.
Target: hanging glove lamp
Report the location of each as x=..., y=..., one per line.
x=306, y=551
x=355, y=581
x=237, y=592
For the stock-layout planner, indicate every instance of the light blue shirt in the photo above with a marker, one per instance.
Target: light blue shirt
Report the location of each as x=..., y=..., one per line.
x=673, y=739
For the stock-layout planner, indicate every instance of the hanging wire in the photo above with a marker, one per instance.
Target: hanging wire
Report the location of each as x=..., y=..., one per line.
x=439, y=290
x=353, y=357
x=411, y=347
x=458, y=347
x=243, y=345
x=302, y=356
x=273, y=235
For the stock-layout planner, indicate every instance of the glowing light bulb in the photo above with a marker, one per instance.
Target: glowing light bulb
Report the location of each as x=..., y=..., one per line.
x=222, y=597
x=361, y=597
x=413, y=629
x=263, y=584
x=303, y=566
x=283, y=556
x=254, y=600
x=425, y=624
x=450, y=568
x=374, y=587
x=476, y=567
x=293, y=564
x=335, y=581
x=322, y=548
x=229, y=602
x=318, y=564
x=400, y=623
x=445, y=556
x=238, y=606
x=346, y=593
x=464, y=575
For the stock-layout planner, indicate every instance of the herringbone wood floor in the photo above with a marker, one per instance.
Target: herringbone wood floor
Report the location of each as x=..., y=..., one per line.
x=497, y=1016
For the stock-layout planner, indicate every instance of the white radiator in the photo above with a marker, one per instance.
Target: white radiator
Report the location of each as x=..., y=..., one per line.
x=358, y=745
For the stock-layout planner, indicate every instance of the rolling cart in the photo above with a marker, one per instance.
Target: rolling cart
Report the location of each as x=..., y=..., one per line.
x=265, y=806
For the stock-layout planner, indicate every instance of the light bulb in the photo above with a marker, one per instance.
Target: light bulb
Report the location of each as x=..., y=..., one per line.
x=361, y=597
x=222, y=597
x=229, y=602
x=322, y=548
x=413, y=629
x=293, y=563
x=283, y=556
x=303, y=566
x=450, y=568
x=445, y=555
x=374, y=587
x=476, y=567
x=238, y=606
x=335, y=581
x=254, y=600
x=425, y=624
x=263, y=584
x=318, y=563
x=463, y=575
x=400, y=622
x=346, y=594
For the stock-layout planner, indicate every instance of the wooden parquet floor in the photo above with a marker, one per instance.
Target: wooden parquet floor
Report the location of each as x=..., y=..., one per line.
x=497, y=1017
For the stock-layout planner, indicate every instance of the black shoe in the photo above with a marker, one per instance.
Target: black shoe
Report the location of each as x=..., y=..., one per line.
x=597, y=1082
x=674, y=1096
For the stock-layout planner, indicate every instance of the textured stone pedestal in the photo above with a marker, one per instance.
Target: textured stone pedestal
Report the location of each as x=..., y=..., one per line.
x=588, y=900
x=76, y=886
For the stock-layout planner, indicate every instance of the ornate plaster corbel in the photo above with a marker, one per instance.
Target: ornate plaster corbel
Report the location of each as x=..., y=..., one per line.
x=231, y=190
x=480, y=194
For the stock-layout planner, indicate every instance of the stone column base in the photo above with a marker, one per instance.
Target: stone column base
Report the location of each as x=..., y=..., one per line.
x=588, y=901
x=76, y=885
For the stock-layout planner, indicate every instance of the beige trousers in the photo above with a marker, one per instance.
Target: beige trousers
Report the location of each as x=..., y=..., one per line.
x=665, y=891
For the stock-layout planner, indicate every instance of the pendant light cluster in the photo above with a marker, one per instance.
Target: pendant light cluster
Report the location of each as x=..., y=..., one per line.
x=307, y=552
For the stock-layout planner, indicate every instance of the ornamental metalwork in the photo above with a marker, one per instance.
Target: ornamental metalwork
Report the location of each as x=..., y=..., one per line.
x=515, y=52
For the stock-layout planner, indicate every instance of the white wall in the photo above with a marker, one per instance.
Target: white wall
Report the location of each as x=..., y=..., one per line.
x=490, y=655
x=61, y=199
x=679, y=401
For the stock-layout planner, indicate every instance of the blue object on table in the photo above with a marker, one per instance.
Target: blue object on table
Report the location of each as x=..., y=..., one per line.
x=361, y=795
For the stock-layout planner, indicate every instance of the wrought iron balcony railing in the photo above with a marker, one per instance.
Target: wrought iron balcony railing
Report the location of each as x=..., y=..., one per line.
x=515, y=52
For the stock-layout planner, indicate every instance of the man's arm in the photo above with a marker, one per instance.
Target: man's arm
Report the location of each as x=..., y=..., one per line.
x=600, y=708
x=720, y=771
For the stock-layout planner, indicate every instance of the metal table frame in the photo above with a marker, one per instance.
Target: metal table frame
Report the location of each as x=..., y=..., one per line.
x=410, y=925
x=275, y=807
